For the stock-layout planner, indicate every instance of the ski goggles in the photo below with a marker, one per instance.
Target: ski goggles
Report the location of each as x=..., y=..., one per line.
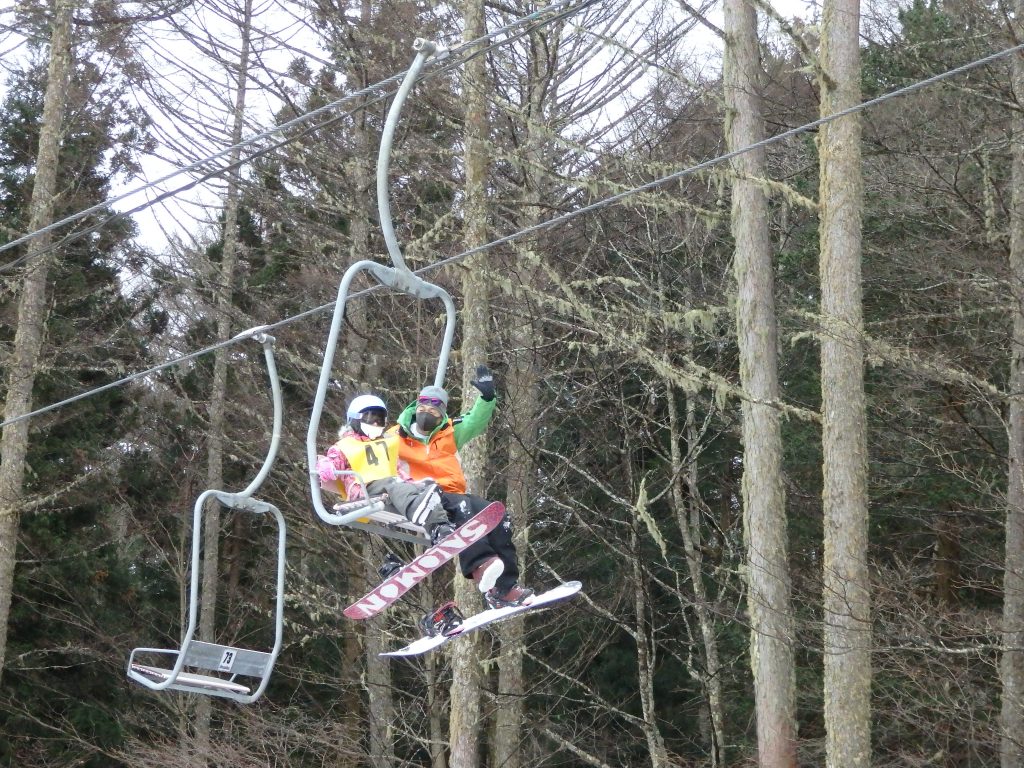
x=376, y=417
x=435, y=402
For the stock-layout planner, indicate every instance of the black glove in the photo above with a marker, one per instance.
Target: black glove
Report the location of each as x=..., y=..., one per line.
x=484, y=381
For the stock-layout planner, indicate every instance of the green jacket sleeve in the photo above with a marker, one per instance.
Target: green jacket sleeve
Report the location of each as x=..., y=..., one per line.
x=475, y=422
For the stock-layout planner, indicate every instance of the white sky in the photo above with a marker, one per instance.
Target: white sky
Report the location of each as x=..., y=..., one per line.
x=203, y=87
x=199, y=86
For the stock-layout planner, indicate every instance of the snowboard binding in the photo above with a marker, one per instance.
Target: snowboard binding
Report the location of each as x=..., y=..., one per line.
x=441, y=621
x=390, y=566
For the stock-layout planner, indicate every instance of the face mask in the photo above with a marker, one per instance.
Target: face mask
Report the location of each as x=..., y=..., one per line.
x=427, y=422
x=372, y=431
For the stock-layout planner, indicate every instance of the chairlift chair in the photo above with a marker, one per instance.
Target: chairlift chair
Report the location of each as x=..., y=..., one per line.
x=369, y=513
x=213, y=669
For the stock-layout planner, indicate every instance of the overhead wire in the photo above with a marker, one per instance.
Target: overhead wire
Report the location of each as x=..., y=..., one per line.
x=451, y=59
x=550, y=223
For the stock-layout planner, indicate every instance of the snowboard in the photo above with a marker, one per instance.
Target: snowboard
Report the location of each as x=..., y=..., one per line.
x=400, y=582
x=491, y=615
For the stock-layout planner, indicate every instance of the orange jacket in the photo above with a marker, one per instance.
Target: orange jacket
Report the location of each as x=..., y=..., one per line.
x=437, y=459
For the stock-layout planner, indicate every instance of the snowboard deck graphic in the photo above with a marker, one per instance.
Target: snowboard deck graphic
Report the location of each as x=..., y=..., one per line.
x=396, y=585
x=491, y=615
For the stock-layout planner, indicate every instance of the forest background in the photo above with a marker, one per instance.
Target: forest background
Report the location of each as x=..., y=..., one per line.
x=767, y=409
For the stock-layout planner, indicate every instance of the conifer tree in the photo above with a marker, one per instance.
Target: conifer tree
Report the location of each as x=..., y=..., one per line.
x=72, y=589
x=31, y=321
x=764, y=513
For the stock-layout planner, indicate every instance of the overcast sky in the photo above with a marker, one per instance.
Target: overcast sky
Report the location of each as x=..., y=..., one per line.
x=198, y=85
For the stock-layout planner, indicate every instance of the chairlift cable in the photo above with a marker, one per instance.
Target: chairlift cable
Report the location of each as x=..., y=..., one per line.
x=71, y=237
x=598, y=205
x=461, y=54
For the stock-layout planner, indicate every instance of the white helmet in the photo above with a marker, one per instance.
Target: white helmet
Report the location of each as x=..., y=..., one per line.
x=361, y=403
x=357, y=414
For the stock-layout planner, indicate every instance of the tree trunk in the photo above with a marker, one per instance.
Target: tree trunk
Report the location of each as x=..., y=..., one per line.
x=1011, y=663
x=687, y=507
x=464, y=721
x=361, y=368
x=218, y=393
x=28, y=340
x=522, y=412
x=646, y=656
x=464, y=725
x=381, y=734
x=523, y=408
x=947, y=554
x=764, y=504
x=847, y=601
x=436, y=711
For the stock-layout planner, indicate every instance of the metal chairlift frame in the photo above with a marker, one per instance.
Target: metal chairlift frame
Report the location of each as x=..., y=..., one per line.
x=369, y=513
x=228, y=662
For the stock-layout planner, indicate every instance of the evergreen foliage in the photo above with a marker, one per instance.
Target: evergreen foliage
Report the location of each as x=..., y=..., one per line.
x=74, y=585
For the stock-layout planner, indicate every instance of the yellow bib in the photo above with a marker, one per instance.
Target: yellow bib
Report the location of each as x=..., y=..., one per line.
x=372, y=459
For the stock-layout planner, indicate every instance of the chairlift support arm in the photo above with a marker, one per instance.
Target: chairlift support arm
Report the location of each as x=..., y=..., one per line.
x=397, y=276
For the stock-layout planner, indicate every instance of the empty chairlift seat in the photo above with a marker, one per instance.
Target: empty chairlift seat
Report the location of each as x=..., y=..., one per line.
x=210, y=668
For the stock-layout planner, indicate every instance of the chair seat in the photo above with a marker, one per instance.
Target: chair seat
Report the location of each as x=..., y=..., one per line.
x=189, y=680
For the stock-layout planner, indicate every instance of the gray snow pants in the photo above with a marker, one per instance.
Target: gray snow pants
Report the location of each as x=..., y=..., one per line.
x=418, y=502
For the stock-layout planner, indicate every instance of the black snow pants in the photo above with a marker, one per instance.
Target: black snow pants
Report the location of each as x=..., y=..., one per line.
x=462, y=506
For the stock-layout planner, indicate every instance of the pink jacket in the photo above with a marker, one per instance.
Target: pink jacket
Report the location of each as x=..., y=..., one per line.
x=335, y=461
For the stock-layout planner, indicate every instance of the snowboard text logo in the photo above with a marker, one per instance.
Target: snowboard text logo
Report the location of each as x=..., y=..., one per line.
x=420, y=568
